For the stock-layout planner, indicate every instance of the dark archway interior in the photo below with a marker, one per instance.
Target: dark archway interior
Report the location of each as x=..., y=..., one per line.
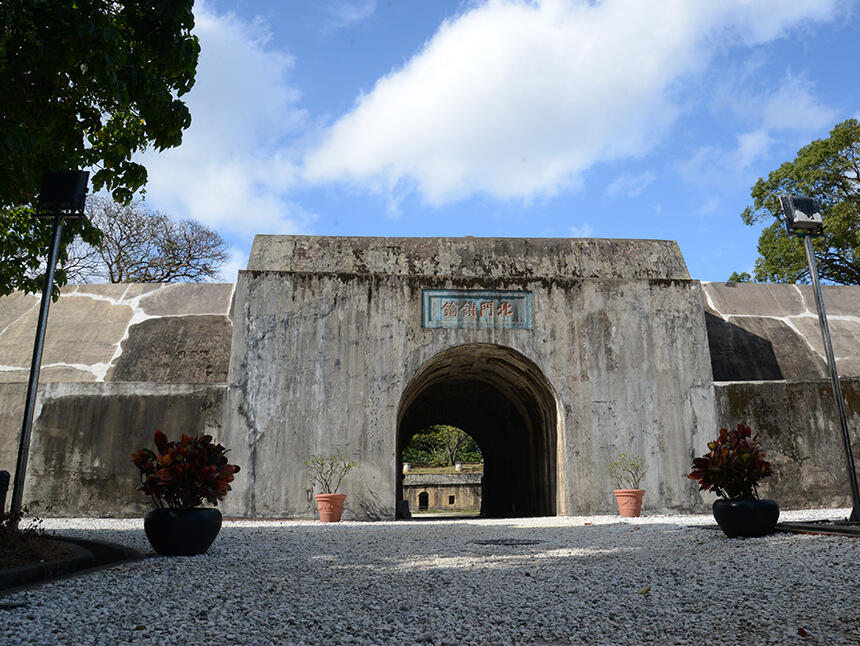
x=504, y=402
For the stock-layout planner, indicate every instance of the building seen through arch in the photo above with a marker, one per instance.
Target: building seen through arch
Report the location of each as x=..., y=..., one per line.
x=503, y=401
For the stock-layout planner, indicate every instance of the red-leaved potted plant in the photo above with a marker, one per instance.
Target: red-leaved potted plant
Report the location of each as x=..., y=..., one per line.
x=732, y=469
x=178, y=478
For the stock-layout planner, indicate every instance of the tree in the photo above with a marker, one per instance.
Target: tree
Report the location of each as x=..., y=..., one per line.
x=441, y=445
x=85, y=84
x=828, y=170
x=143, y=246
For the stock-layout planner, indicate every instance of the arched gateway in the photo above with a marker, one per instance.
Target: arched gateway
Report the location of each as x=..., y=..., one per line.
x=554, y=354
x=504, y=402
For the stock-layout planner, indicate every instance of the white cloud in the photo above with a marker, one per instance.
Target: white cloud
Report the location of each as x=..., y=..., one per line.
x=235, y=166
x=582, y=231
x=751, y=146
x=720, y=165
x=343, y=13
x=630, y=185
x=229, y=271
x=793, y=107
x=515, y=99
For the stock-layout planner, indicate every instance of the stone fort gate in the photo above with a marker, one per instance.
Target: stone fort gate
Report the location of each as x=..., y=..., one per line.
x=554, y=354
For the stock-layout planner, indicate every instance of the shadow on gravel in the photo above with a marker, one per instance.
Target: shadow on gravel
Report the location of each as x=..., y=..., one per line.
x=87, y=556
x=517, y=542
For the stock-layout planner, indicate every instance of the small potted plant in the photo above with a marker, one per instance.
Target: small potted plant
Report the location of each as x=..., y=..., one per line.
x=327, y=472
x=732, y=469
x=178, y=478
x=627, y=471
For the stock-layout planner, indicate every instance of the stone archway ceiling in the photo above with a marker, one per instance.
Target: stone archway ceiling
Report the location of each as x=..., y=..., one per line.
x=505, y=403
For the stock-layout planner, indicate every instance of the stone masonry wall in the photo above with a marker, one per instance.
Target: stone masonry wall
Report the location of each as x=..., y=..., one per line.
x=464, y=488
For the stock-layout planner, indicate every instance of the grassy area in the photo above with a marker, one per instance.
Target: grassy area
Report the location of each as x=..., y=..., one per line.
x=473, y=467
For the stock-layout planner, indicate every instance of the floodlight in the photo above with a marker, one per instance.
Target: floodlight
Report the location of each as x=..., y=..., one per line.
x=63, y=192
x=802, y=214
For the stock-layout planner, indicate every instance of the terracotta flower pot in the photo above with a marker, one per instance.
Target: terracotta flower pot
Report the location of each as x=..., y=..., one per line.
x=629, y=502
x=330, y=506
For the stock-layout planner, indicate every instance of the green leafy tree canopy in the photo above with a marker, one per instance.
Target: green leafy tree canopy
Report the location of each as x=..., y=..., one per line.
x=441, y=445
x=86, y=84
x=828, y=170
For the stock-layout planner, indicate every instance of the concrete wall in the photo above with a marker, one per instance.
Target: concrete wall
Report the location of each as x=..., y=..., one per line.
x=120, y=362
x=327, y=338
x=770, y=372
x=127, y=332
x=84, y=435
x=328, y=352
x=801, y=435
x=767, y=332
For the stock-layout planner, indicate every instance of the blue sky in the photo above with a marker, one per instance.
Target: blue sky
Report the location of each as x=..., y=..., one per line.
x=613, y=118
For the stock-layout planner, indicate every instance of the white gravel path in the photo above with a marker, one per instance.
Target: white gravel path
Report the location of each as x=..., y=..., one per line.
x=589, y=580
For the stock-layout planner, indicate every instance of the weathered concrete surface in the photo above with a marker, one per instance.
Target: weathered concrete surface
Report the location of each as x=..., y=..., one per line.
x=470, y=257
x=175, y=349
x=84, y=435
x=801, y=435
x=328, y=354
x=156, y=333
x=762, y=331
x=327, y=339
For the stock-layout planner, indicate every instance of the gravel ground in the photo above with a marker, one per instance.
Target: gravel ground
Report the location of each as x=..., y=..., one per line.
x=586, y=580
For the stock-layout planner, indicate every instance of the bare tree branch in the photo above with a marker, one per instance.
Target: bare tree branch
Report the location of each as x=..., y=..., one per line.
x=143, y=246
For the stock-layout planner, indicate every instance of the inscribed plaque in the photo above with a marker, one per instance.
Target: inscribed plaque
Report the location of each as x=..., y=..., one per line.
x=471, y=308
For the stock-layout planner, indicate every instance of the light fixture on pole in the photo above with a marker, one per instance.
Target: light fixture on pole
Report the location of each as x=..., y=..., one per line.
x=803, y=218
x=63, y=195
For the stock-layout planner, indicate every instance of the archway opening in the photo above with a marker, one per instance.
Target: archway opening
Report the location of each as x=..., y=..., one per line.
x=502, y=399
x=445, y=463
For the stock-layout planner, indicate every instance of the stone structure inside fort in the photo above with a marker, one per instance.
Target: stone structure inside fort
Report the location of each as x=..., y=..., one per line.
x=554, y=354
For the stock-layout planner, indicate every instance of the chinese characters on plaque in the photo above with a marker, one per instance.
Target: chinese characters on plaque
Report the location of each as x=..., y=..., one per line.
x=469, y=308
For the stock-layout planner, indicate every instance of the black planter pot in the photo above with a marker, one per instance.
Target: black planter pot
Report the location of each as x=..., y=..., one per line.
x=184, y=532
x=747, y=518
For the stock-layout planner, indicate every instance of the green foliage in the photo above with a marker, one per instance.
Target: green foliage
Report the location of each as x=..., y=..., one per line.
x=743, y=277
x=627, y=471
x=441, y=445
x=328, y=471
x=24, y=244
x=84, y=85
x=185, y=473
x=733, y=466
x=828, y=170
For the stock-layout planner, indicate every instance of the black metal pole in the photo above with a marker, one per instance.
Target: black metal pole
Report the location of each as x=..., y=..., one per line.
x=834, y=378
x=33, y=385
